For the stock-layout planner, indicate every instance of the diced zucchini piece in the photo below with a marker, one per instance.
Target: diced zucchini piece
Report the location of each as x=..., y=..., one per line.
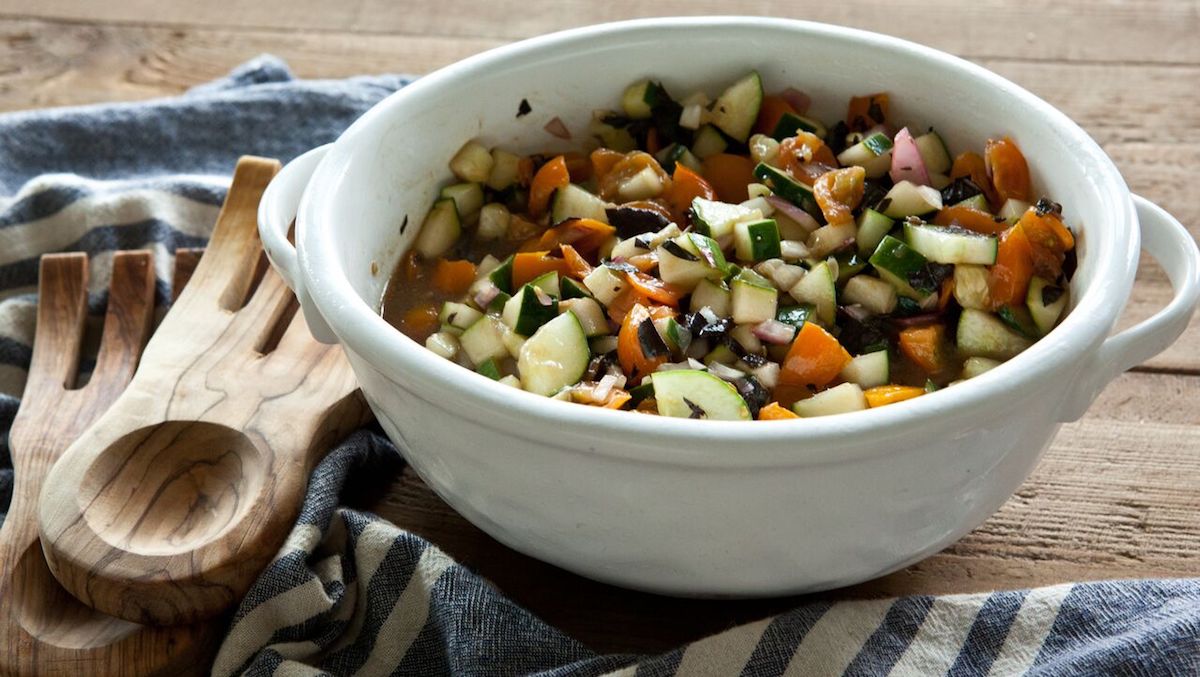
x=939, y=181
x=512, y=341
x=872, y=226
x=689, y=258
x=645, y=185
x=788, y=188
x=976, y=202
x=737, y=108
x=817, y=288
x=790, y=123
x=493, y=221
x=1046, y=303
x=605, y=284
x=602, y=345
x=708, y=141
x=796, y=315
x=869, y=370
x=440, y=230
x=571, y=201
x=527, y=310
x=490, y=369
x=1012, y=210
x=756, y=240
x=721, y=355
x=443, y=343
x=484, y=340
x=873, y=154
x=716, y=219
x=555, y=356
x=982, y=334
x=510, y=381
x=849, y=264
x=618, y=139
x=502, y=275
x=468, y=199
x=1019, y=320
x=547, y=282
x=974, y=366
x=636, y=100
x=677, y=153
x=828, y=239
x=691, y=393
x=458, y=315
x=591, y=315
x=753, y=298
x=472, y=163
x=572, y=289
x=875, y=295
x=712, y=294
x=840, y=399
x=933, y=152
x=971, y=287
x=505, y=169
x=908, y=199
x=897, y=263
x=951, y=244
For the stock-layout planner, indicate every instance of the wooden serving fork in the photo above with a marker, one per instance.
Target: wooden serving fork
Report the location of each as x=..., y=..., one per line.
x=46, y=631
x=167, y=508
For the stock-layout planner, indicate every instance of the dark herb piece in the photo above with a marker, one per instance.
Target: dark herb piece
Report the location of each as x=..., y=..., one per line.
x=524, y=108
x=621, y=266
x=860, y=336
x=697, y=412
x=679, y=252
x=875, y=112
x=715, y=330
x=875, y=193
x=650, y=341
x=929, y=277
x=404, y=224
x=794, y=315
x=1070, y=262
x=906, y=307
x=597, y=367
x=639, y=393
x=631, y=221
x=753, y=392
x=1045, y=206
x=836, y=138
x=960, y=189
x=752, y=359
x=1051, y=293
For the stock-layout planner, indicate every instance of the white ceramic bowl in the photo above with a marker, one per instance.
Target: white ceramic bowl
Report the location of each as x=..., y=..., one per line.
x=707, y=507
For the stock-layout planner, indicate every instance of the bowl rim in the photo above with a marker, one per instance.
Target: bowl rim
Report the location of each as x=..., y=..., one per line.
x=361, y=329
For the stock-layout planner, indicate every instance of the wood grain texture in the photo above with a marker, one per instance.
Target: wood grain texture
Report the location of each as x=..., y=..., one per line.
x=43, y=629
x=166, y=509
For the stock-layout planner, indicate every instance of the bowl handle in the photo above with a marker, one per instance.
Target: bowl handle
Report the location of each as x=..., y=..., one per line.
x=1164, y=238
x=276, y=211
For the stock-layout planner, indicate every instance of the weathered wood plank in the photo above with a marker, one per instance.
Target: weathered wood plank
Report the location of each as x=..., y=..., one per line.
x=1116, y=496
x=1115, y=31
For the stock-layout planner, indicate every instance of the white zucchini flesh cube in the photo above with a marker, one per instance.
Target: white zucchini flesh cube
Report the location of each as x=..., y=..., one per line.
x=869, y=370
x=839, y=399
x=817, y=288
x=971, y=287
x=493, y=221
x=591, y=316
x=752, y=302
x=908, y=199
x=473, y=162
x=555, y=356
x=712, y=294
x=871, y=293
x=974, y=366
x=484, y=340
x=605, y=284
x=444, y=344
x=440, y=230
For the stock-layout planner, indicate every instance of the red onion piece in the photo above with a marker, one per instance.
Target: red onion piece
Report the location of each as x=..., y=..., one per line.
x=856, y=312
x=806, y=221
x=799, y=100
x=774, y=331
x=556, y=127
x=907, y=164
x=486, y=295
x=916, y=320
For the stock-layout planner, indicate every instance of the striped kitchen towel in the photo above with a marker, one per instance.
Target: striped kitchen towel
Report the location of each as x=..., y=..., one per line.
x=352, y=594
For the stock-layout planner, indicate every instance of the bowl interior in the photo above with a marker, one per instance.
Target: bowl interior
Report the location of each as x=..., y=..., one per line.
x=380, y=179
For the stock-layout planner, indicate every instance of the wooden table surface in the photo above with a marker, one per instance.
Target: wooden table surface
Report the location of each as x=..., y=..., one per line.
x=1118, y=494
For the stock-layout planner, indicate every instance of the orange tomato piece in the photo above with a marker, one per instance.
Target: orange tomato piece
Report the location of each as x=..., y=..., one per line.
x=579, y=167
x=586, y=235
x=521, y=228
x=655, y=289
x=634, y=361
x=814, y=359
x=1007, y=169
x=773, y=108
x=525, y=171
x=1049, y=240
x=624, y=302
x=728, y=175
x=774, y=412
x=420, y=322
x=969, y=218
x=529, y=265
x=973, y=167
x=891, y=394
x=838, y=192
x=864, y=112
x=603, y=161
x=686, y=186
x=946, y=294
x=925, y=346
x=453, y=277
x=577, y=266
x=1008, y=279
x=552, y=176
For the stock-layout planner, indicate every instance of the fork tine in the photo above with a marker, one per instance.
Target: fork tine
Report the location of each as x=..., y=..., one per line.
x=127, y=322
x=62, y=309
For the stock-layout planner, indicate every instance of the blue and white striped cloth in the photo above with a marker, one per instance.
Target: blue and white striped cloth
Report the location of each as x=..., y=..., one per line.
x=352, y=594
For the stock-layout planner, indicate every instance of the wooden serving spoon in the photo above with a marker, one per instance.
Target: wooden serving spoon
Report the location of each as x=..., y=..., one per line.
x=46, y=631
x=166, y=509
